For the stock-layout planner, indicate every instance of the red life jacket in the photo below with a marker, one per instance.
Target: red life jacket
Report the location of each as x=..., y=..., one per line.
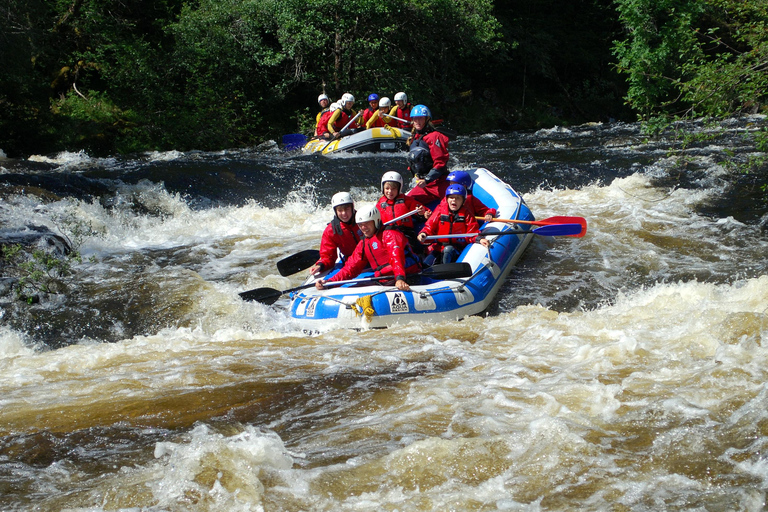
x=378, y=123
x=404, y=113
x=387, y=253
x=367, y=113
x=445, y=222
x=391, y=209
x=322, y=126
x=344, y=118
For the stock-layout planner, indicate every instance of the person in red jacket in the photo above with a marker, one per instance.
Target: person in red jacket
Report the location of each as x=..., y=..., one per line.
x=423, y=129
x=373, y=107
x=384, y=250
x=475, y=205
x=343, y=121
x=325, y=104
x=321, y=130
x=402, y=109
x=393, y=203
x=451, y=217
x=340, y=236
x=430, y=184
x=380, y=118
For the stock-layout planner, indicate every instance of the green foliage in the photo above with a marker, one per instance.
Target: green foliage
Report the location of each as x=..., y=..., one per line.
x=730, y=75
x=686, y=58
x=38, y=272
x=659, y=41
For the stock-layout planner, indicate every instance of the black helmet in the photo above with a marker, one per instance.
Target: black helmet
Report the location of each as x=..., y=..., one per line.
x=419, y=158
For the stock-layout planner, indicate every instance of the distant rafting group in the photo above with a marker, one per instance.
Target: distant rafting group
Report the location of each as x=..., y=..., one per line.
x=337, y=119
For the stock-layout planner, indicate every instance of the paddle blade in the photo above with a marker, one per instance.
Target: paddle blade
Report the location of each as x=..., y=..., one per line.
x=294, y=141
x=553, y=230
x=558, y=230
x=298, y=262
x=448, y=271
x=264, y=295
x=581, y=221
x=451, y=134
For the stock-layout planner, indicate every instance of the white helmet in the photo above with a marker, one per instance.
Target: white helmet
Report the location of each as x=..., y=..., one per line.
x=345, y=98
x=391, y=176
x=369, y=213
x=323, y=97
x=384, y=102
x=341, y=198
x=401, y=96
x=334, y=106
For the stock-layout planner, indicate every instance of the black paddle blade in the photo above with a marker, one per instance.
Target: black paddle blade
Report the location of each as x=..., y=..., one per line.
x=448, y=271
x=451, y=134
x=264, y=295
x=298, y=262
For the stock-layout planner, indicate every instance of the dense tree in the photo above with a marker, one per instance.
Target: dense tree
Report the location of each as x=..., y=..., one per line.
x=694, y=57
x=112, y=76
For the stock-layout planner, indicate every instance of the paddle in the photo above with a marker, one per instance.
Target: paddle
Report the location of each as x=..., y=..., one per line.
x=345, y=127
x=446, y=271
x=548, y=222
x=451, y=134
x=552, y=230
x=294, y=141
x=403, y=216
x=396, y=118
x=297, y=262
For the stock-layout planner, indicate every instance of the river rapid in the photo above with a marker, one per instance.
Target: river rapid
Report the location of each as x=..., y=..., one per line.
x=624, y=370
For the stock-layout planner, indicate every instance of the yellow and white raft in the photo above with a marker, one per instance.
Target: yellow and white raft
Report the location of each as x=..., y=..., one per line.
x=373, y=140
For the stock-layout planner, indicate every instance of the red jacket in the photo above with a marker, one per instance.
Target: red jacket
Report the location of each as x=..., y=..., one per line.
x=477, y=207
x=444, y=222
x=391, y=209
x=428, y=193
x=402, y=113
x=342, y=119
x=438, y=147
x=378, y=121
x=322, y=125
x=338, y=237
x=384, y=252
x=367, y=113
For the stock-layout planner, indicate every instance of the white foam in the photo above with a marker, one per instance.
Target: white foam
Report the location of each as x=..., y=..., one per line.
x=13, y=343
x=65, y=158
x=164, y=156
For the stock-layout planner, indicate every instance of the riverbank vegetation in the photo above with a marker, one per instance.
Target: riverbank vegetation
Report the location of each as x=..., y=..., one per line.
x=118, y=77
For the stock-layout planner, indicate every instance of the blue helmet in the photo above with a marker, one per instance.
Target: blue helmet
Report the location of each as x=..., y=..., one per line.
x=455, y=189
x=420, y=110
x=373, y=97
x=462, y=178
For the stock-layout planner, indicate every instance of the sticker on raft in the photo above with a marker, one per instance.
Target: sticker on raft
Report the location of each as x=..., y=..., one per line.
x=311, y=306
x=397, y=302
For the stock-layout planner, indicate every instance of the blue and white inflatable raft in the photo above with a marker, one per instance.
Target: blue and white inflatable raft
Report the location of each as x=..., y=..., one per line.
x=376, y=305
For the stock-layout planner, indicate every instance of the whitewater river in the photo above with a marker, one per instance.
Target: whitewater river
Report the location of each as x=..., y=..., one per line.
x=620, y=371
